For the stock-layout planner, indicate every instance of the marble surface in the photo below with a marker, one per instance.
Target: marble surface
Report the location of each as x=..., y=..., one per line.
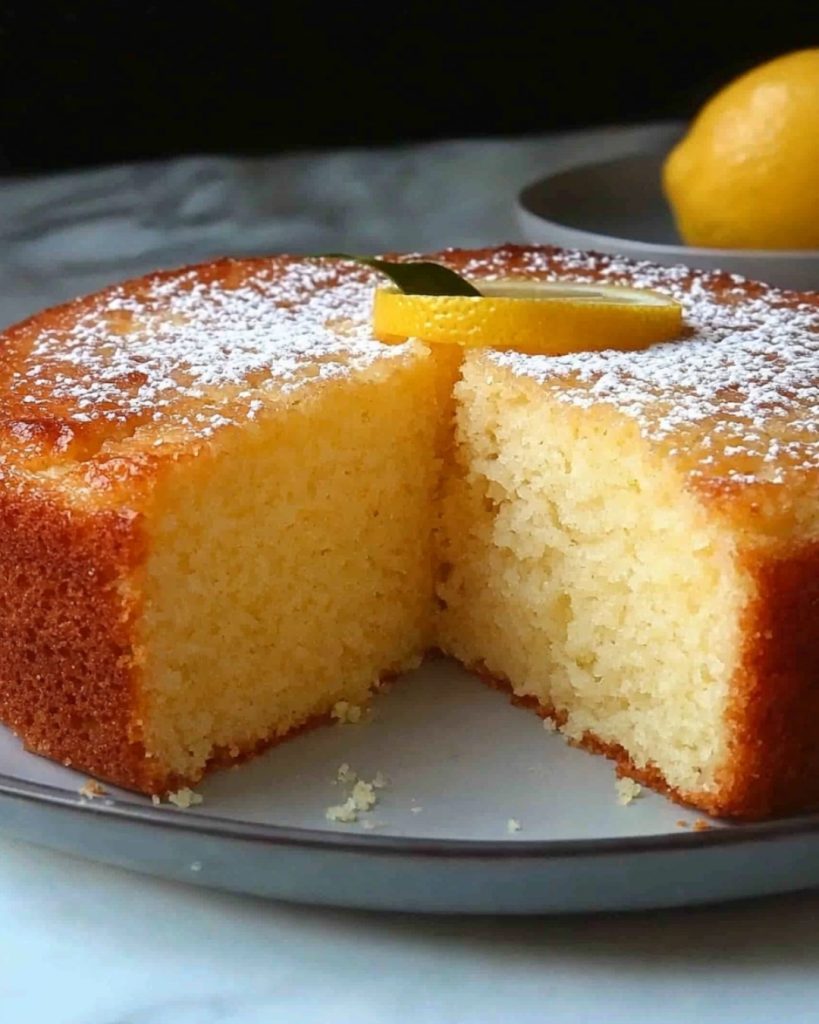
x=64, y=235
x=85, y=944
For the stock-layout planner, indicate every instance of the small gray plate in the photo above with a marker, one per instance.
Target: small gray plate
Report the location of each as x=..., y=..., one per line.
x=617, y=206
x=461, y=762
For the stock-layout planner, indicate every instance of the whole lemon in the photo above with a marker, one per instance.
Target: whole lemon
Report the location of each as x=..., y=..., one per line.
x=746, y=176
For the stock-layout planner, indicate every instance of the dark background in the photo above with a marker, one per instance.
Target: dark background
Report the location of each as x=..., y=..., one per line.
x=87, y=83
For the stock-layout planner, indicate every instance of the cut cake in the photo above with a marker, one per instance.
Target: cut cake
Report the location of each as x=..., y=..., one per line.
x=224, y=508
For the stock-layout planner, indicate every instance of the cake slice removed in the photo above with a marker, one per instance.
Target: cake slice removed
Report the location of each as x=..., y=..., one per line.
x=225, y=508
x=582, y=572
x=216, y=516
x=630, y=542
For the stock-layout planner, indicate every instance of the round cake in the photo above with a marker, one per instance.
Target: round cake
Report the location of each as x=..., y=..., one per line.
x=226, y=509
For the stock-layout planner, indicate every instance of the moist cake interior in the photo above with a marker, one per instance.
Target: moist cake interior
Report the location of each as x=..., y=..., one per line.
x=562, y=539
x=290, y=566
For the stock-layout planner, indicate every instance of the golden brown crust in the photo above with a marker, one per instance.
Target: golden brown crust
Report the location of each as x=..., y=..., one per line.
x=41, y=432
x=774, y=764
x=68, y=671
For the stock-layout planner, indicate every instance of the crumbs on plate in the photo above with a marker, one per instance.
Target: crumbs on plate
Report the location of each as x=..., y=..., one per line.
x=182, y=798
x=361, y=799
x=627, y=790
x=346, y=713
x=91, y=788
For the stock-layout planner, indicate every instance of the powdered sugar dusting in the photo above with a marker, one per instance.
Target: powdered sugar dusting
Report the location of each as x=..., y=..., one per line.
x=204, y=348
x=737, y=397
x=198, y=346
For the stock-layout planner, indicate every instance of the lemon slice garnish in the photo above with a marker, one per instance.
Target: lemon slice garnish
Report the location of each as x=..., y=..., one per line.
x=538, y=318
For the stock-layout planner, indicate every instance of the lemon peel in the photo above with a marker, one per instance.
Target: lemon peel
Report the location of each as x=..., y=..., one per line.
x=533, y=317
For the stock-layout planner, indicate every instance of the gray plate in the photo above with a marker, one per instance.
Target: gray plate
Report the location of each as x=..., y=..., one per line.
x=617, y=206
x=470, y=761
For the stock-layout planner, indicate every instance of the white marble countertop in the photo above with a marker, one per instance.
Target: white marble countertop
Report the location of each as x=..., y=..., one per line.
x=85, y=944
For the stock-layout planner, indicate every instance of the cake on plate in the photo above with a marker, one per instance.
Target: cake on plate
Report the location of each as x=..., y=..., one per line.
x=225, y=507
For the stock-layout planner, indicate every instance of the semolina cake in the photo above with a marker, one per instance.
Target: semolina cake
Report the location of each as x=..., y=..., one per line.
x=225, y=508
x=216, y=511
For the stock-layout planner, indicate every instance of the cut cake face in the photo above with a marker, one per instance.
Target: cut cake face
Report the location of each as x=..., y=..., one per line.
x=225, y=507
x=629, y=539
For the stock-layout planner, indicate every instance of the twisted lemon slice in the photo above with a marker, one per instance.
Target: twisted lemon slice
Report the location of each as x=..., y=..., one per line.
x=531, y=316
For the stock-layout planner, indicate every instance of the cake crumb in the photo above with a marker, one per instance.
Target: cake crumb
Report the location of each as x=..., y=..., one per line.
x=627, y=790
x=196, y=865
x=185, y=798
x=363, y=796
x=380, y=781
x=701, y=825
x=368, y=825
x=345, y=774
x=346, y=713
x=416, y=810
x=91, y=788
x=550, y=725
x=155, y=800
x=346, y=812
x=512, y=825
x=682, y=823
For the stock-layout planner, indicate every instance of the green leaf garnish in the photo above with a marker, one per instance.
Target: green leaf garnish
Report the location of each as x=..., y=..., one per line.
x=417, y=277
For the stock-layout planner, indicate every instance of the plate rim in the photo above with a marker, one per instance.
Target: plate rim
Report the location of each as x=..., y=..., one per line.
x=214, y=826
x=683, y=252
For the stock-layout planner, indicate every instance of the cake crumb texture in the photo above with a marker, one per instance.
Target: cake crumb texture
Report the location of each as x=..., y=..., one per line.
x=345, y=774
x=91, y=789
x=185, y=798
x=563, y=530
x=362, y=797
x=346, y=812
x=627, y=790
x=346, y=713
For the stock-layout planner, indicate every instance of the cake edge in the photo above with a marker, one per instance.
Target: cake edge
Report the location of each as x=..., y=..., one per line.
x=67, y=622
x=772, y=768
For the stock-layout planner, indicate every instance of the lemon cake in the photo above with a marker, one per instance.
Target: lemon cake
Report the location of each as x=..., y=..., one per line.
x=226, y=509
x=216, y=511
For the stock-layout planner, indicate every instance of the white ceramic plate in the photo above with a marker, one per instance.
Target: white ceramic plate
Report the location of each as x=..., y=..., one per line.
x=461, y=761
x=617, y=206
